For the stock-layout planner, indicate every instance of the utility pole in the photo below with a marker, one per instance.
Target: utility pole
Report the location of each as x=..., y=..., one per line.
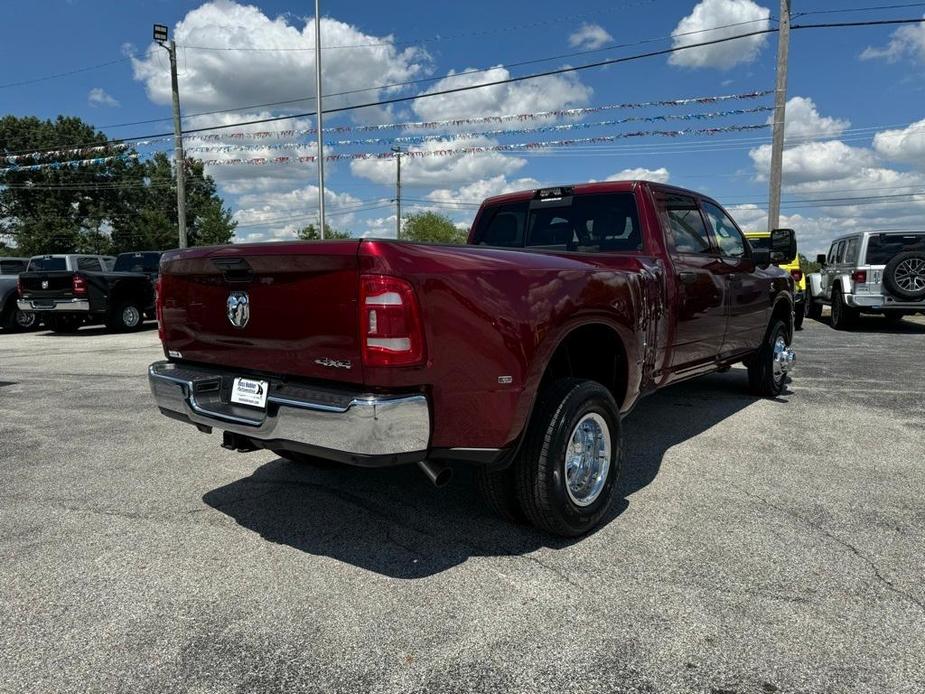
x=780, y=108
x=320, y=119
x=160, y=36
x=397, y=151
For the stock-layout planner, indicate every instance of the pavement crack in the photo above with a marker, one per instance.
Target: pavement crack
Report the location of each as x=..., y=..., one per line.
x=883, y=580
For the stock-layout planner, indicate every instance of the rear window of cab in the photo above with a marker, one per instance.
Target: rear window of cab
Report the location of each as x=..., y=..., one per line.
x=593, y=223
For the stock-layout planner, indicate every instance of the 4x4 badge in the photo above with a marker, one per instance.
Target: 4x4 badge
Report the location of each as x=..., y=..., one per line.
x=238, y=309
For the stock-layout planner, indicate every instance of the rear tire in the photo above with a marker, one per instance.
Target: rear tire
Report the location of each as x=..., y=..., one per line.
x=843, y=316
x=16, y=321
x=126, y=316
x=764, y=379
x=498, y=489
x=798, y=313
x=566, y=477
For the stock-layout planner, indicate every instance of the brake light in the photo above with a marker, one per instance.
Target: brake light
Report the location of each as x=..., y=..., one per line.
x=796, y=274
x=19, y=289
x=159, y=309
x=390, y=322
x=859, y=276
x=79, y=285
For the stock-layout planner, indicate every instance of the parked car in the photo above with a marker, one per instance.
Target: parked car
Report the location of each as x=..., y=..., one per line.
x=519, y=353
x=70, y=290
x=11, y=317
x=870, y=272
x=762, y=239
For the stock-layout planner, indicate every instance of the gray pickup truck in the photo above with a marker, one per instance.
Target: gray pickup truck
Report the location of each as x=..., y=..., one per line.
x=11, y=317
x=869, y=272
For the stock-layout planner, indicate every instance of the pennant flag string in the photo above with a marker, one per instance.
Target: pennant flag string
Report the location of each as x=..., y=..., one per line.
x=421, y=139
x=67, y=164
x=513, y=147
x=54, y=154
x=455, y=122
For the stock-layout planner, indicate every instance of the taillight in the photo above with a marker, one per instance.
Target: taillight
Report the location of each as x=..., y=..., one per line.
x=19, y=287
x=796, y=274
x=159, y=309
x=79, y=285
x=390, y=322
x=859, y=276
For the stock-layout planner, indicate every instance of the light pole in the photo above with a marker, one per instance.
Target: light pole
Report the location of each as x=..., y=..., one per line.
x=780, y=116
x=160, y=37
x=320, y=119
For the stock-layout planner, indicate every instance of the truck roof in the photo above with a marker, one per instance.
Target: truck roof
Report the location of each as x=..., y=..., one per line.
x=594, y=187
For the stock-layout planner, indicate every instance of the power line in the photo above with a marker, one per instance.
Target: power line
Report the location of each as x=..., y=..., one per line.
x=547, y=73
x=68, y=73
x=845, y=10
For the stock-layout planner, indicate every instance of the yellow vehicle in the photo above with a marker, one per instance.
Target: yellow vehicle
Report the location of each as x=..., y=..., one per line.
x=762, y=239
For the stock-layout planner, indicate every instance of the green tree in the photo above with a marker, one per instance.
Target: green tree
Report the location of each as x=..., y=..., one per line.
x=431, y=227
x=808, y=265
x=115, y=206
x=310, y=233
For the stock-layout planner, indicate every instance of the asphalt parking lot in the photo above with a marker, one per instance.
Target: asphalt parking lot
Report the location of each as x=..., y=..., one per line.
x=760, y=546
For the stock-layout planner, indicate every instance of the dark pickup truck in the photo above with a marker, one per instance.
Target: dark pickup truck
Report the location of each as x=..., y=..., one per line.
x=519, y=352
x=70, y=290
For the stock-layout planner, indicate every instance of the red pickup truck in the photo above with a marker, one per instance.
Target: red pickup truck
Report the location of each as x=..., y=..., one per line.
x=519, y=352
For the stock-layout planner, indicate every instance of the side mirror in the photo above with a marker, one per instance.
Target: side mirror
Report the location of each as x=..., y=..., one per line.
x=783, y=246
x=762, y=257
x=821, y=258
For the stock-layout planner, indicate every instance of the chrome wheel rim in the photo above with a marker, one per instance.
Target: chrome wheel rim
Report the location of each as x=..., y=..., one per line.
x=779, y=357
x=910, y=275
x=25, y=319
x=587, y=459
x=130, y=316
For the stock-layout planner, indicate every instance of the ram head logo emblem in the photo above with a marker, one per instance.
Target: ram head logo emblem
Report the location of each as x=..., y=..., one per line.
x=238, y=309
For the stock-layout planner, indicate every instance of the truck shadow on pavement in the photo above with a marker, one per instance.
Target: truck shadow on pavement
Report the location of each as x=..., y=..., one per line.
x=393, y=522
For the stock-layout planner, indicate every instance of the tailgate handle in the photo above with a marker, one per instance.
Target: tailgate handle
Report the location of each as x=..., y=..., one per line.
x=234, y=269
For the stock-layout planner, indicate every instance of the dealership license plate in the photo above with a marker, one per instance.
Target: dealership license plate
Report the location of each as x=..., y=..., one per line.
x=247, y=391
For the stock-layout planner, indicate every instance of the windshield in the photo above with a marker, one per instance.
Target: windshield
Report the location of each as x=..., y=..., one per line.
x=47, y=264
x=137, y=262
x=882, y=248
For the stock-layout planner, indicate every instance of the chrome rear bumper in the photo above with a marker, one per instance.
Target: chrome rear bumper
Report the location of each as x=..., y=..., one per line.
x=353, y=427
x=61, y=305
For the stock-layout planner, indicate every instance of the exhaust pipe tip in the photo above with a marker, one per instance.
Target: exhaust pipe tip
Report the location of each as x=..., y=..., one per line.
x=439, y=474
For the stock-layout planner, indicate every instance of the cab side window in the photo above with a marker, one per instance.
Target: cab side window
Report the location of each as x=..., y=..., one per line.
x=684, y=223
x=851, y=250
x=729, y=239
x=840, y=252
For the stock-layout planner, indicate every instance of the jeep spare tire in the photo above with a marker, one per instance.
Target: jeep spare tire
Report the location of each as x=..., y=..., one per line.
x=904, y=276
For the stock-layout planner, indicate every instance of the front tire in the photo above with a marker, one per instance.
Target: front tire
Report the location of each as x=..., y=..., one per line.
x=843, y=316
x=767, y=374
x=566, y=477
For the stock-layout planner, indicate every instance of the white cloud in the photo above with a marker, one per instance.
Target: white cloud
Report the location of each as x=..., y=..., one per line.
x=215, y=79
x=814, y=161
x=278, y=216
x=451, y=170
x=544, y=94
x=99, y=97
x=906, y=42
x=803, y=120
x=481, y=189
x=589, y=36
x=659, y=175
x=905, y=145
x=695, y=28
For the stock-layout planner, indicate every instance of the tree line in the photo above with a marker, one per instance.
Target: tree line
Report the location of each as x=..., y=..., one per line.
x=121, y=205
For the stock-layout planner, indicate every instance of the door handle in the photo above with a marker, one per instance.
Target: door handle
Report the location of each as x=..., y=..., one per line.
x=687, y=277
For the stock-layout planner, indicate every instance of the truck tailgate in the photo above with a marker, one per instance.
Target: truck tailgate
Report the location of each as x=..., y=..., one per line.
x=301, y=300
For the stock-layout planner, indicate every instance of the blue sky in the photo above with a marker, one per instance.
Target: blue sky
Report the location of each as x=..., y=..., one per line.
x=855, y=127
